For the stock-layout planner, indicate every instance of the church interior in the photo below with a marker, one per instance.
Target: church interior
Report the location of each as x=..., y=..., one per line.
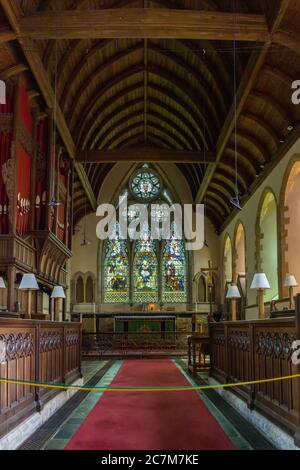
x=140, y=343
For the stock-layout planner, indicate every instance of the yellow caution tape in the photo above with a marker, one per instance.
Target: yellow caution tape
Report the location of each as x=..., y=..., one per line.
x=145, y=389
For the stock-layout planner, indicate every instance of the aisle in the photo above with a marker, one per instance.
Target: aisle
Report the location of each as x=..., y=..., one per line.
x=150, y=421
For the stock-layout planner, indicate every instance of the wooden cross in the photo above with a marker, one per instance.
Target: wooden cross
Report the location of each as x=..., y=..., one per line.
x=210, y=270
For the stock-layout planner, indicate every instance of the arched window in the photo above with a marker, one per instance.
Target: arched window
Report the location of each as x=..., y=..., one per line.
x=150, y=269
x=116, y=272
x=174, y=270
x=240, y=252
x=202, y=297
x=89, y=290
x=145, y=272
x=268, y=244
x=79, y=289
x=291, y=222
x=227, y=259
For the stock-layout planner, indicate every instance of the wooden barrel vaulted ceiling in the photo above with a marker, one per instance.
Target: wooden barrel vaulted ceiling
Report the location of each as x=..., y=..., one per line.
x=134, y=90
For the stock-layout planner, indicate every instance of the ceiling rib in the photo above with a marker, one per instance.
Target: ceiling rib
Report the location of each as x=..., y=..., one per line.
x=144, y=154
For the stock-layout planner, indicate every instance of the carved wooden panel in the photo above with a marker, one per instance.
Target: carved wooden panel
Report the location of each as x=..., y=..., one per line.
x=250, y=351
x=35, y=352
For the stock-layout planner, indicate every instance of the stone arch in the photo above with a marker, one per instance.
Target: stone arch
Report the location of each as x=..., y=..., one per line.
x=90, y=288
x=239, y=266
x=227, y=260
x=78, y=288
x=267, y=241
x=290, y=222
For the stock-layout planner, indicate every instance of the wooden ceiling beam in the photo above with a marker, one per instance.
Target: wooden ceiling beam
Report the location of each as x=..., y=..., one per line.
x=288, y=39
x=174, y=141
x=263, y=125
x=89, y=112
x=213, y=117
x=180, y=133
x=273, y=103
x=90, y=79
x=13, y=71
x=144, y=154
x=144, y=23
x=164, y=109
x=92, y=121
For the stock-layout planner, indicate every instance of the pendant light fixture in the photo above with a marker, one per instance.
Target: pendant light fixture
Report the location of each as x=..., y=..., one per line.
x=205, y=243
x=235, y=201
x=53, y=202
x=85, y=242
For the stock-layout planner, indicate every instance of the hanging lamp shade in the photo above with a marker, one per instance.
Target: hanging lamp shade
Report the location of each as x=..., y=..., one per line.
x=58, y=293
x=233, y=293
x=260, y=281
x=290, y=281
x=29, y=282
x=2, y=283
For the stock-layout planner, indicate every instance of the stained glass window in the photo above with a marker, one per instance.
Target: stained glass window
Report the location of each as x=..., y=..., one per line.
x=116, y=272
x=145, y=185
x=145, y=272
x=174, y=270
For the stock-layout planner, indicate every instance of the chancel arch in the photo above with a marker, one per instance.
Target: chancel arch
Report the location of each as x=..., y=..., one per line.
x=290, y=221
x=267, y=242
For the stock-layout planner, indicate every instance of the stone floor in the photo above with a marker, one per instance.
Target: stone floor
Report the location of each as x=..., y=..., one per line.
x=70, y=426
x=237, y=433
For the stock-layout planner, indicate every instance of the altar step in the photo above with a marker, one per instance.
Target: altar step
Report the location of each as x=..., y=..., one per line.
x=91, y=355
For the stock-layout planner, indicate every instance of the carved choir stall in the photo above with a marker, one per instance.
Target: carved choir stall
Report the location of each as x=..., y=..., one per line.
x=244, y=351
x=35, y=352
x=36, y=179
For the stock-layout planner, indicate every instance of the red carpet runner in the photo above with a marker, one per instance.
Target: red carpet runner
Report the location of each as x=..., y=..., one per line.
x=150, y=421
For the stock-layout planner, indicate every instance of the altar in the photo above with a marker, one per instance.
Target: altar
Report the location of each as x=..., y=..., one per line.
x=145, y=324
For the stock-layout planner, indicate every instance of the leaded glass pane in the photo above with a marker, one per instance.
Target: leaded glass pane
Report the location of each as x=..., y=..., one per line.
x=174, y=270
x=145, y=272
x=145, y=185
x=116, y=272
